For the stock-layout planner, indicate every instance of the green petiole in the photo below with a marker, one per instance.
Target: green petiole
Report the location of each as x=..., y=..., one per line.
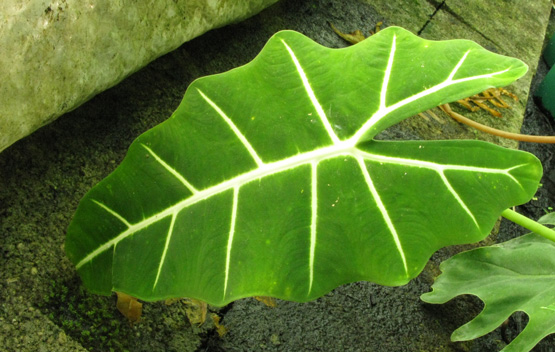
x=529, y=224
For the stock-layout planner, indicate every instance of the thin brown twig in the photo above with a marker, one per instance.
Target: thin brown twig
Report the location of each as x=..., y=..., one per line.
x=516, y=136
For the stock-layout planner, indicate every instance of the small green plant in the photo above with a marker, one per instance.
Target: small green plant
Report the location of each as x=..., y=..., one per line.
x=517, y=275
x=268, y=181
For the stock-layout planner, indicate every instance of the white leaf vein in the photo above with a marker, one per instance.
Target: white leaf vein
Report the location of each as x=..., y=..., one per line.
x=114, y=213
x=165, y=251
x=321, y=114
x=313, y=222
x=230, y=237
x=234, y=128
x=171, y=170
x=383, y=212
x=387, y=74
x=455, y=195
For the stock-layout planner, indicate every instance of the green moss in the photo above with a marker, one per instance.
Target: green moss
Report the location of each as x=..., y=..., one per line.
x=91, y=320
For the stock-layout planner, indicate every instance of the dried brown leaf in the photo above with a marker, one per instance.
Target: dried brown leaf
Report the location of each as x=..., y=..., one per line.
x=196, y=310
x=268, y=301
x=220, y=329
x=353, y=37
x=171, y=301
x=129, y=307
x=493, y=96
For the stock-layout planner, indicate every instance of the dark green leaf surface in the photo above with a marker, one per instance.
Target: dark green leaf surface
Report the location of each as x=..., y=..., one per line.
x=517, y=275
x=266, y=180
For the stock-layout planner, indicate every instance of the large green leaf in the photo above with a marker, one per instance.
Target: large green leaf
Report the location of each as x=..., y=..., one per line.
x=267, y=180
x=517, y=275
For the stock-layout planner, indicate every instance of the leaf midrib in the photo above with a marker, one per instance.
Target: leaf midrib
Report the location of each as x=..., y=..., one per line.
x=341, y=149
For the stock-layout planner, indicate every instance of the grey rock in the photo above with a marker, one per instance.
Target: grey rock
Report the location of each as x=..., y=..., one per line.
x=58, y=54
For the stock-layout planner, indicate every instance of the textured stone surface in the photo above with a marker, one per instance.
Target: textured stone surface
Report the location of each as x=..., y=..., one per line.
x=57, y=54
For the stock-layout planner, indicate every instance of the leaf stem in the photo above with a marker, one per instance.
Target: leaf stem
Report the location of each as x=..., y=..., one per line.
x=516, y=136
x=529, y=224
